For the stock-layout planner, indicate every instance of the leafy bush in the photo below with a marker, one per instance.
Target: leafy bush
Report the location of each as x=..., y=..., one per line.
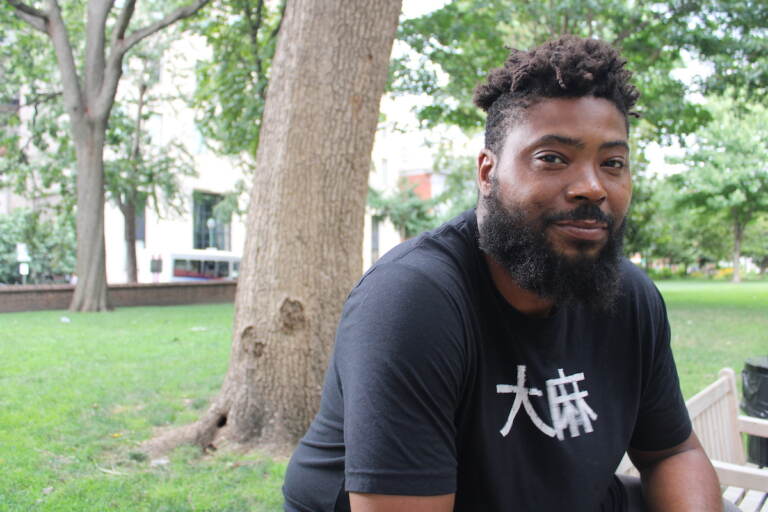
x=660, y=274
x=50, y=243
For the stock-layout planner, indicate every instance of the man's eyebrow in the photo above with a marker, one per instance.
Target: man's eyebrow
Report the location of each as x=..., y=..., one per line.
x=615, y=144
x=552, y=138
x=559, y=139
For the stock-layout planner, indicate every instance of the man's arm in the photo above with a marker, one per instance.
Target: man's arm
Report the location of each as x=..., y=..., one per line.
x=385, y=503
x=679, y=478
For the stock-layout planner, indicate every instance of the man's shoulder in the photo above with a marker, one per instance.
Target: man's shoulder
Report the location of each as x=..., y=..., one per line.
x=450, y=248
x=638, y=289
x=436, y=270
x=633, y=277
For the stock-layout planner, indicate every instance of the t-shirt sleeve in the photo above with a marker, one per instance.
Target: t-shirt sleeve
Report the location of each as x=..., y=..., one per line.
x=399, y=354
x=663, y=420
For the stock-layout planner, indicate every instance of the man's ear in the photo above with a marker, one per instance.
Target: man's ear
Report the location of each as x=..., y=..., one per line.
x=486, y=163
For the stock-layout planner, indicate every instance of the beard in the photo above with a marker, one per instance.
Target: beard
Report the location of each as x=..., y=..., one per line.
x=522, y=248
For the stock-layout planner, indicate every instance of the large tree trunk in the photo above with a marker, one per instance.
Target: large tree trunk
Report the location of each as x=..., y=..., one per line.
x=305, y=221
x=91, y=289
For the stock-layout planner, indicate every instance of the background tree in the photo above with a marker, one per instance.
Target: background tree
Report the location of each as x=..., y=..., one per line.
x=36, y=161
x=138, y=172
x=453, y=47
x=459, y=186
x=305, y=229
x=407, y=212
x=640, y=235
x=732, y=35
x=88, y=92
x=727, y=173
x=756, y=243
x=232, y=83
x=458, y=44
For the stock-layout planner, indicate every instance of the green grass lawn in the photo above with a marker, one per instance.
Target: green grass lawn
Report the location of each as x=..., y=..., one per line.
x=715, y=325
x=77, y=398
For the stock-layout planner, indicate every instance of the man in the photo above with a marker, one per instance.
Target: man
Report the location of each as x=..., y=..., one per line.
x=508, y=359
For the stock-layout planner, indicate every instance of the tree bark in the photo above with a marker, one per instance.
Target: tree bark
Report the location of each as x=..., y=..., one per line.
x=305, y=220
x=129, y=214
x=91, y=289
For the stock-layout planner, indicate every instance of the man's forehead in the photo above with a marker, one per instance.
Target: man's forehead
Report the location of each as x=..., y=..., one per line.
x=569, y=121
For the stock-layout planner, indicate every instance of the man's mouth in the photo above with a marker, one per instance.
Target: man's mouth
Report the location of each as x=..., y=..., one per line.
x=583, y=229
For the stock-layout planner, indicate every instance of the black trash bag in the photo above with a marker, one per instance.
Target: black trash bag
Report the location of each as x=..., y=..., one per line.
x=754, y=379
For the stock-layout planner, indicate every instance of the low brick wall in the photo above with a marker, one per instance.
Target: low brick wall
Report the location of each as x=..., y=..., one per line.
x=58, y=296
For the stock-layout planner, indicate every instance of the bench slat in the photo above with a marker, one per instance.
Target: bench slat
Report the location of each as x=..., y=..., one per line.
x=753, y=501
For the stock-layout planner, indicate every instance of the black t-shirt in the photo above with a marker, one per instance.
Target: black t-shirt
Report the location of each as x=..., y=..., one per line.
x=437, y=385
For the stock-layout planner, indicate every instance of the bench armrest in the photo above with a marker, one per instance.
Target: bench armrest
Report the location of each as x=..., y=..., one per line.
x=754, y=426
x=741, y=476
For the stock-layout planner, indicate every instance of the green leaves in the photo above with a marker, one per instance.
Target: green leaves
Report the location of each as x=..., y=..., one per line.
x=727, y=175
x=454, y=47
x=232, y=83
x=403, y=208
x=50, y=242
x=727, y=164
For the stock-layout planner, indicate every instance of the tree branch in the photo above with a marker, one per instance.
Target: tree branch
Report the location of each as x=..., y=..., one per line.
x=179, y=14
x=36, y=18
x=70, y=82
x=95, y=46
x=40, y=98
x=279, y=20
x=633, y=28
x=113, y=69
x=254, y=25
x=122, y=21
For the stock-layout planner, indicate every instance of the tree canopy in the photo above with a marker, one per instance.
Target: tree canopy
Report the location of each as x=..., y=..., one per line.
x=454, y=47
x=727, y=174
x=458, y=44
x=232, y=83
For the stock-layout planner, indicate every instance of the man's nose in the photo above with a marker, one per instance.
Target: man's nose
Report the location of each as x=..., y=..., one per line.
x=586, y=185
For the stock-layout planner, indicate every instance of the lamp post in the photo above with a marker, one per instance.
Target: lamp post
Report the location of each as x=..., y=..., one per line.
x=211, y=223
x=22, y=256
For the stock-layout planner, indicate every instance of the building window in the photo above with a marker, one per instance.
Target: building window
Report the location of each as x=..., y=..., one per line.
x=209, y=231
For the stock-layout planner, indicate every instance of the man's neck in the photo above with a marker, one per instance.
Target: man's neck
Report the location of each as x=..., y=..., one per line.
x=525, y=301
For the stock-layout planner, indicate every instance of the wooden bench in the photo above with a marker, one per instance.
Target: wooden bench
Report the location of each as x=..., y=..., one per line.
x=714, y=412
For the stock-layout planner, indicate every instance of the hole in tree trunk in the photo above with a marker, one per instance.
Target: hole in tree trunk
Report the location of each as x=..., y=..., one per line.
x=221, y=421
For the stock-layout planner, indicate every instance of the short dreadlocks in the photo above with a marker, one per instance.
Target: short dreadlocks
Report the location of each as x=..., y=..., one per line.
x=568, y=67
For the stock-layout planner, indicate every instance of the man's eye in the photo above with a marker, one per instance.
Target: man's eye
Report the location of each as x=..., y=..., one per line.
x=551, y=159
x=614, y=163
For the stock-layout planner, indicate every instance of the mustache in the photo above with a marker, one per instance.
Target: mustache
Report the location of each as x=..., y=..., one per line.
x=585, y=211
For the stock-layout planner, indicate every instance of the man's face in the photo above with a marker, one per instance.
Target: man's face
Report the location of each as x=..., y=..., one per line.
x=553, y=203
